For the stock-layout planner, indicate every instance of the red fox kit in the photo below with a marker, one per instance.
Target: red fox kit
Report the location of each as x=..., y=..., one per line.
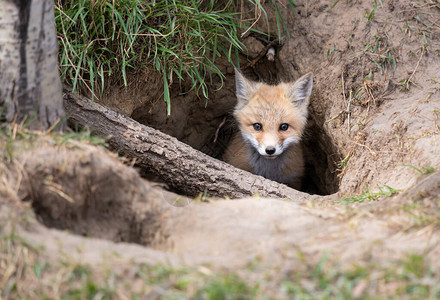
x=271, y=120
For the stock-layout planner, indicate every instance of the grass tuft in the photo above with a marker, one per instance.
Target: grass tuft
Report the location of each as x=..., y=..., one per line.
x=180, y=39
x=422, y=171
x=406, y=278
x=16, y=138
x=227, y=287
x=367, y=196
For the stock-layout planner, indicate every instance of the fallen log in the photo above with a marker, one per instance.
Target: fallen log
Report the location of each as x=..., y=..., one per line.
x=182, y=167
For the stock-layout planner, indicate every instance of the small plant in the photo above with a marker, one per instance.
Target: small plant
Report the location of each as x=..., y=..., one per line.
x=10, y=133
x=370, y=16
x=405, y=84
x=16, y=138
x=415, y=265
x=331, y=51
x=343, y=163
x=84, y=135
x=409, y=278
x=381, y=53
x=422, y=171
x=202, y=197
x=383, y=192
x=334, y=3
x=227, y=287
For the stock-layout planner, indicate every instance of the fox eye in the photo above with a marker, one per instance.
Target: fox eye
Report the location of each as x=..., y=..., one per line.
x=284, y=126
x=257, y=126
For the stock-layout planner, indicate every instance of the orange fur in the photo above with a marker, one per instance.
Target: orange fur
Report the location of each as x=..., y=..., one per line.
x=270, y=106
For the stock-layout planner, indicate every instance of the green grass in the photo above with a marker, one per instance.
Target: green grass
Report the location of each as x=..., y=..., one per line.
x=422, y=210
x=10, y=133
x=343, y=163
x=370, y=16
x=83, y=135
x=409, y=277
x=422, y=171
x=381, y=53
x=227, y=287
x=367, y=196
x=180, y=39
x=16, y=138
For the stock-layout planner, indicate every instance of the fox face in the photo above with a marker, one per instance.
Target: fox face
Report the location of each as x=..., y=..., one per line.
x=272, y=118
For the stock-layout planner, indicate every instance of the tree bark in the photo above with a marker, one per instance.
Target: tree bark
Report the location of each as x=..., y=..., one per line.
x=183, y=168
x=30, y=85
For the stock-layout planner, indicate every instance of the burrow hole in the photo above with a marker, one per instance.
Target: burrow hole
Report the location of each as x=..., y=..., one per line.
x=320, y=153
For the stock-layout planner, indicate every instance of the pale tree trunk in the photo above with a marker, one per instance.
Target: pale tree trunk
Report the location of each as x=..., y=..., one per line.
x=30, y=86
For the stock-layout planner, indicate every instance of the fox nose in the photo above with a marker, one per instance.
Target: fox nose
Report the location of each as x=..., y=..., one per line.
x=270, y=150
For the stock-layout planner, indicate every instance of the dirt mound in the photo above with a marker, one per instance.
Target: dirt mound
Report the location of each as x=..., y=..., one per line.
x=377, y=89
x=83, y=189
x=86, y=191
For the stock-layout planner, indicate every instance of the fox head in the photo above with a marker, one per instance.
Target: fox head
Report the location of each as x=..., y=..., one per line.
x=271, y=118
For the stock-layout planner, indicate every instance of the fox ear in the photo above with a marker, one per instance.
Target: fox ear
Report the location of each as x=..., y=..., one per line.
x=301, y=89
x=243, y=86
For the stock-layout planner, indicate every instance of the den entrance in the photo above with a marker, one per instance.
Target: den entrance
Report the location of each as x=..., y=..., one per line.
x=208, y=125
